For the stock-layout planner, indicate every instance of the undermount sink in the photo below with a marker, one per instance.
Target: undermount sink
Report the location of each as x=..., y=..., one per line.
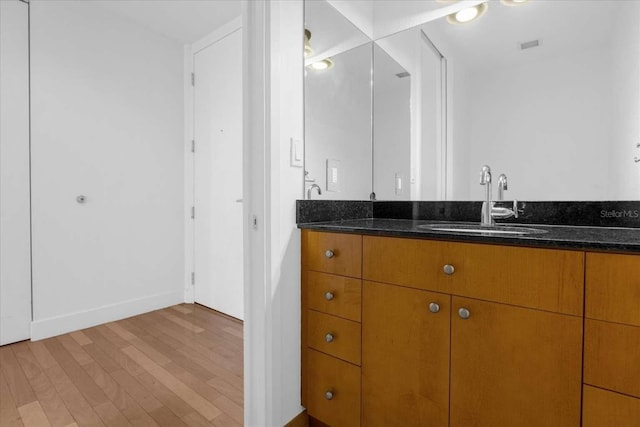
x=468, y=228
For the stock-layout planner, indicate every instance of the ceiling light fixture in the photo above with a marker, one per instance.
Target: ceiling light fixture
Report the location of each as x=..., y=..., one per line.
x=307, y=45
x=321, y=65
x=468, y=14
x=513, y=2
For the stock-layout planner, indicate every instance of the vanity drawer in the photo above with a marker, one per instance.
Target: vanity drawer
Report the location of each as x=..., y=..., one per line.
x=332, y=253
x=605, y=408
x=337, y=295
x=613, y=288
x=340, y=408
x=335, y=336
x=545, y=279
x=612, y=356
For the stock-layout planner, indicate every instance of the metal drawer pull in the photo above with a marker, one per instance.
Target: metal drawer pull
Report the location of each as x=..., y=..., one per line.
x=449, y=269
x=328, y=338
x=434, y=307
x=329, y=253
x=328, y=395
x=464, y=313
x=328, y=296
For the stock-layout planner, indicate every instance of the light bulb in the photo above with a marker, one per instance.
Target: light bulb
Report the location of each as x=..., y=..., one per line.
x=466, y=15
x=322, y=65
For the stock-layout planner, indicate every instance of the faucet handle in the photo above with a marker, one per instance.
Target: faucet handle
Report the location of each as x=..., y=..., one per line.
x=516, y=211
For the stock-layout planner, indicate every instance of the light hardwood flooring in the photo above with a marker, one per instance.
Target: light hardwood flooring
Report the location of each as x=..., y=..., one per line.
x=180, y=366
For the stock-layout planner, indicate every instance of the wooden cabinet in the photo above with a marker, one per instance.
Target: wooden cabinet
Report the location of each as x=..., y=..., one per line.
x=514, y=366
x=517, y=358
x=612, y=341
x=334, y=390
x=455, y=334
x=544, y=279
x=405, y=356
x=613, y=288
x=331, y=337
x=604, y=408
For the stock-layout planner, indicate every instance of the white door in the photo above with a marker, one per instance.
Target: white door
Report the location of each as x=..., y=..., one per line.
x=218, y=176
x=15, y=234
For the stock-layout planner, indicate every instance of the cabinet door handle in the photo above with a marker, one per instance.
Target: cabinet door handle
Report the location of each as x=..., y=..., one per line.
x=328, y=296
x=464, y=313
x=434, y=307
x=449, y=269
x=328, y=394
x=329, y=253
x=329, y=338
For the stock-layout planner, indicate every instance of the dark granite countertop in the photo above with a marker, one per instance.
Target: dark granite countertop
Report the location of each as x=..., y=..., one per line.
x=614, y=239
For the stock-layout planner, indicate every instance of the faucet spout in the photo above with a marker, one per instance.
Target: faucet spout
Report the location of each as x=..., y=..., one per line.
x=502, y=186
x=310, y=189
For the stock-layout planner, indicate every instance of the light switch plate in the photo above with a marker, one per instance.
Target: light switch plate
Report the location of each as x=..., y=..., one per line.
x=334, y=175
x=297, y=153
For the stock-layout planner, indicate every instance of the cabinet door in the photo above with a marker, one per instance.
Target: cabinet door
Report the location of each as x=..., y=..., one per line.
x=605, y=408
x=512, y=366
x=405, y=356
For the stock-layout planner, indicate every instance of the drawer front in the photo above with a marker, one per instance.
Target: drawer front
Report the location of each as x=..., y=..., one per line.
x=612, y=356
x=545, y=279
x=332, y=253
x=335, y=336
x=342, y=380
x=605, y=408
x=337, y=295
x=613, y=288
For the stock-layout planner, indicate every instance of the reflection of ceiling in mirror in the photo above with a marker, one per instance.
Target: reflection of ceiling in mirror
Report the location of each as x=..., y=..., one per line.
x=494, y=40
x=186, y=21
x=331, y=32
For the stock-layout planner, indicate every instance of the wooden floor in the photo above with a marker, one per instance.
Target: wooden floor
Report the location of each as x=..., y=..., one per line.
x=181, y=366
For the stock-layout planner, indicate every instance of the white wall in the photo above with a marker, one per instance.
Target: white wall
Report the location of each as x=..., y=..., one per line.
x=107, y=122
x=287, y=119
x=274, y=113
x=624, y=182
x=338, y=124
x=15, y=263
x=537, y=140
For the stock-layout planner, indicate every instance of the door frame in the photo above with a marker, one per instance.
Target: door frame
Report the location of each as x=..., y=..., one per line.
x=189, y=158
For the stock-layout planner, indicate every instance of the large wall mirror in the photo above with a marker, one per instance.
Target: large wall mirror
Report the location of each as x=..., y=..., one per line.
x=546, y=92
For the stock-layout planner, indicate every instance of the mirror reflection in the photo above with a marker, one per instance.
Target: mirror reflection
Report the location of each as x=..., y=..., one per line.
x=338, y=125
x=545, y=92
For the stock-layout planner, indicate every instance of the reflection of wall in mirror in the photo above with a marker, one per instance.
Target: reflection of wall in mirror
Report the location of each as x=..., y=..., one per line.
x=624, y=173
x=407, y=124
x=338, y=123
x=392, y=128
x=561, y=128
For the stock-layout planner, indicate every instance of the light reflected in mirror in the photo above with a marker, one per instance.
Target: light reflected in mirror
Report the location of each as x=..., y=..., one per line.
x=547, y=92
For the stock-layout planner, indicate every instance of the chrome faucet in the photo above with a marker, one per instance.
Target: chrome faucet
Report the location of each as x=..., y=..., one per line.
x=489, y=211
x=311, y=187
x=502, y=186
x=487, y=205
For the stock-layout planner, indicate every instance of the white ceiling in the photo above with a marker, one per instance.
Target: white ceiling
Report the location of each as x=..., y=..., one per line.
x=185, y=21
x=561, y=26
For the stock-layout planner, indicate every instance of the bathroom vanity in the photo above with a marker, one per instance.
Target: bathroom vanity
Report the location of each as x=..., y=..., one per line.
x=407, y=327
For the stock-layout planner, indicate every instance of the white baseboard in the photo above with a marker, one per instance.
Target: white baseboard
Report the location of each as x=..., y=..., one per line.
x=46, y=328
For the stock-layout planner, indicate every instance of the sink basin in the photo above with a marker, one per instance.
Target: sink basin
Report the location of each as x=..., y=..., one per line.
x=468, y=228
